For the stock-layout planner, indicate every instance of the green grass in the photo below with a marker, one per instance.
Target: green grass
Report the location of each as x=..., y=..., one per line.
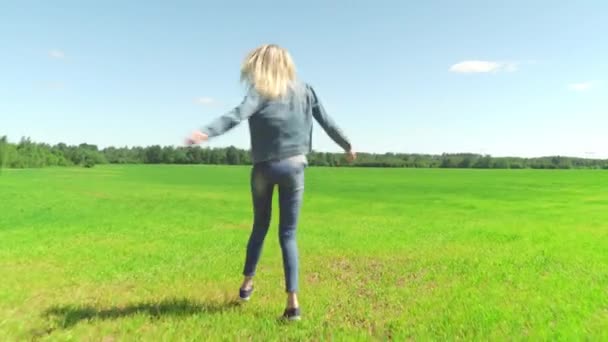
x=156, y=252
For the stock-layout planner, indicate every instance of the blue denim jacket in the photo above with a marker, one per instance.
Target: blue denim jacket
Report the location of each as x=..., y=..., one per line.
x=279, y=128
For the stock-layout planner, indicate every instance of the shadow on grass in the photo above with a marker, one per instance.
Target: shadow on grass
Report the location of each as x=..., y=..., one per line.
x=68, y=316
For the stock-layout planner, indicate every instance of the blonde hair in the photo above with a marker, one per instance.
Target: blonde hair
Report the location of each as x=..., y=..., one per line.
x=270, y=70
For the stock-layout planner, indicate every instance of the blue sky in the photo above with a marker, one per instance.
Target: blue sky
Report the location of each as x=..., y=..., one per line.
x=524, y=78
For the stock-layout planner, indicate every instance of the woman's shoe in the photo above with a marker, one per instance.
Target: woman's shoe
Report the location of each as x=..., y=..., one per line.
x=245, y=295
x=292, y=314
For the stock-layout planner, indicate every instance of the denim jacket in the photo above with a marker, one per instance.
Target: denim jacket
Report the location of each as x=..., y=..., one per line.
x=280, y=128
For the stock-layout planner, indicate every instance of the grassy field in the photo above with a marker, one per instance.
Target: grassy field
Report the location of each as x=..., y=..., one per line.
x=155, y=253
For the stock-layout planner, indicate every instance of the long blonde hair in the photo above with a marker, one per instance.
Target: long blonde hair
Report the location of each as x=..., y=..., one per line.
x=270, y=70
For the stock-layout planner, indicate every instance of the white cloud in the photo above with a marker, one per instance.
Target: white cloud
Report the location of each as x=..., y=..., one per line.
x=57, y=54
x=56, y=85
x=510, y=67
x=582, y=86
x=475, y=66
x=205, y=101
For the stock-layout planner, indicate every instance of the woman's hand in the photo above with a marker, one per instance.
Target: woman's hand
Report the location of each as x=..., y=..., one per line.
x=196, y=138
x=351, y=156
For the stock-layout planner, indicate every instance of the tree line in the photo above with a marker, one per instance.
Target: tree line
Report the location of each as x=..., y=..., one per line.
x=28, y=154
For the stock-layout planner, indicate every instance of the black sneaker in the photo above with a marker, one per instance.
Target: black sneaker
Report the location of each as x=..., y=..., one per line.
x=245, y=295
x=292, y=314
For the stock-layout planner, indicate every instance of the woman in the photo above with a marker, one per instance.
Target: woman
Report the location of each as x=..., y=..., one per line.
x=279, y=109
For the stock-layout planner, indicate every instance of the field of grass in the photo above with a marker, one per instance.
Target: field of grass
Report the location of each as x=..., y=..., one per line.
x=156, y=252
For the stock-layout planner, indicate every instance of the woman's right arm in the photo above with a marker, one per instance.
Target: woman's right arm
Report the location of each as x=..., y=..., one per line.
x=329, y=125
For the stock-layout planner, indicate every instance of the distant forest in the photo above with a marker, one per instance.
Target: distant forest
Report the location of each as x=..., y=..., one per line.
x=28, y=154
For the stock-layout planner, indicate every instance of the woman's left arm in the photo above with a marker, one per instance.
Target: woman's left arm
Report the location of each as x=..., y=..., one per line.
x=250, y=105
